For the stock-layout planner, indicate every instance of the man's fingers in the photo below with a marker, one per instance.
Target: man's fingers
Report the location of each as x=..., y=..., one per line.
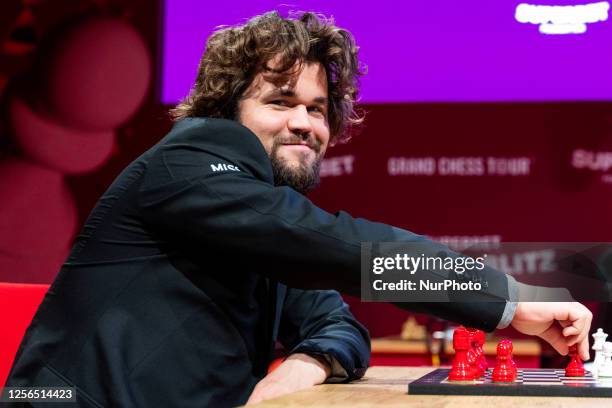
x=573, y=335
x=582, y=322
x=554, y=336
x=576, y=326
x=582, y=344
x=562, y=324
x=570, y=331
x=583, y=349
x=583, y=337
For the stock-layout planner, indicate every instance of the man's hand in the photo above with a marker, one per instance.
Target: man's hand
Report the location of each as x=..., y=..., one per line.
x=297, y=372
x=562, y=324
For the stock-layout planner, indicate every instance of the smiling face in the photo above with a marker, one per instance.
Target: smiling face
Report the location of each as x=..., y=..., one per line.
x=290, y=119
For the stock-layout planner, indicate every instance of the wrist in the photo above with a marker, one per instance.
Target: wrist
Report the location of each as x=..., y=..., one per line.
x=307, y=369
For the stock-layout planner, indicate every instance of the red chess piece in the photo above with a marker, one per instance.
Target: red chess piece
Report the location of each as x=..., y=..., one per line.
x=511, y=363
x=460, y=370
x=575, y=368
x=505, y=370
x=473, y=354
x=480, y=341
x=511, y=358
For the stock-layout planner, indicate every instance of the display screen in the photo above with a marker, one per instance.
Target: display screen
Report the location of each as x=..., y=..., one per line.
x=431, y=50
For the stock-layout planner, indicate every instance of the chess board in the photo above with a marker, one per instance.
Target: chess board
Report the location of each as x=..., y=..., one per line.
x=544, y=382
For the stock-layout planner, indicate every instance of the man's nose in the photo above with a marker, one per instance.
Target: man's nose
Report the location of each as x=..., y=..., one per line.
x=299, y=121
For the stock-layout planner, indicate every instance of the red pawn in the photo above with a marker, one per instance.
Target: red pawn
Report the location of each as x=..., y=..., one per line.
x=575, y=368
x=511, y=357
x=505, y=370
x=461, y=370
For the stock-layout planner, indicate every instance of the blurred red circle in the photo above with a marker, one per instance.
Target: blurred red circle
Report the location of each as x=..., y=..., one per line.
x=97, y=74
x=68, y=150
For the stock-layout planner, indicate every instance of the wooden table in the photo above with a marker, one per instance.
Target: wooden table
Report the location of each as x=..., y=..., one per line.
x=387, y=387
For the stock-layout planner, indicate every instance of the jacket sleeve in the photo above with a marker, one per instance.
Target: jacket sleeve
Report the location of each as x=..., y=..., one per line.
x=273, y=230
x=319, y=322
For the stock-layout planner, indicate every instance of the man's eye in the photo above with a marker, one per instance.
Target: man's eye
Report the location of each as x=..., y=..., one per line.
x=316, y=109
x=279, y=102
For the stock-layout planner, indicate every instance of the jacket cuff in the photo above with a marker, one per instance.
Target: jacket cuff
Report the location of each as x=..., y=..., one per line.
x=342, y=368
x=510, y=309
x=337, y=373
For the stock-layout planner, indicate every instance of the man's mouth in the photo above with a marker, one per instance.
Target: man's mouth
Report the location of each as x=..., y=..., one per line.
x=301, y=146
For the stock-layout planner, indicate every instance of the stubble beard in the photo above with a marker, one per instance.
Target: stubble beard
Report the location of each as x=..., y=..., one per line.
x=301, y=178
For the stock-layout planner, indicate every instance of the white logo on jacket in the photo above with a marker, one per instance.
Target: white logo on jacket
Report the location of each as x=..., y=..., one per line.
x=224, y=167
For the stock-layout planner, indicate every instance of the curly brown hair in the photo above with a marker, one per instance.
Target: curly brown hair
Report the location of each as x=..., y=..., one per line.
x=234, y=55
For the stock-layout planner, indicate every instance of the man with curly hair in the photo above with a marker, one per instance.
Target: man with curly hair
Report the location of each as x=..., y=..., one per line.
x=205, y=252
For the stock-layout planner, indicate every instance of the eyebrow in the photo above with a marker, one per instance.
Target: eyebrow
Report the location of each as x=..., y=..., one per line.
x=291, y=94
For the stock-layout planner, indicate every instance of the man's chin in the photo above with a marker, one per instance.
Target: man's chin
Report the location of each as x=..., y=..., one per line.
x=296, y=174
x=298, y=166
x=297, y=159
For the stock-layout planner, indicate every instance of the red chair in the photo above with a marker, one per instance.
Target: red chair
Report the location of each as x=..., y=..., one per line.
x=18, y=303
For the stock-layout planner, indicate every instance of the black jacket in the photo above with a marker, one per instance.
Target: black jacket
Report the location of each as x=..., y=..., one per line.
x=176, y=289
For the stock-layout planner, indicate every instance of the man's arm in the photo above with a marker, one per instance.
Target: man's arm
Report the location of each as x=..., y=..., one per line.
x=297, y=372
x=319, y=322
x=325, y=341
x=241, y=216
x=277, y=231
